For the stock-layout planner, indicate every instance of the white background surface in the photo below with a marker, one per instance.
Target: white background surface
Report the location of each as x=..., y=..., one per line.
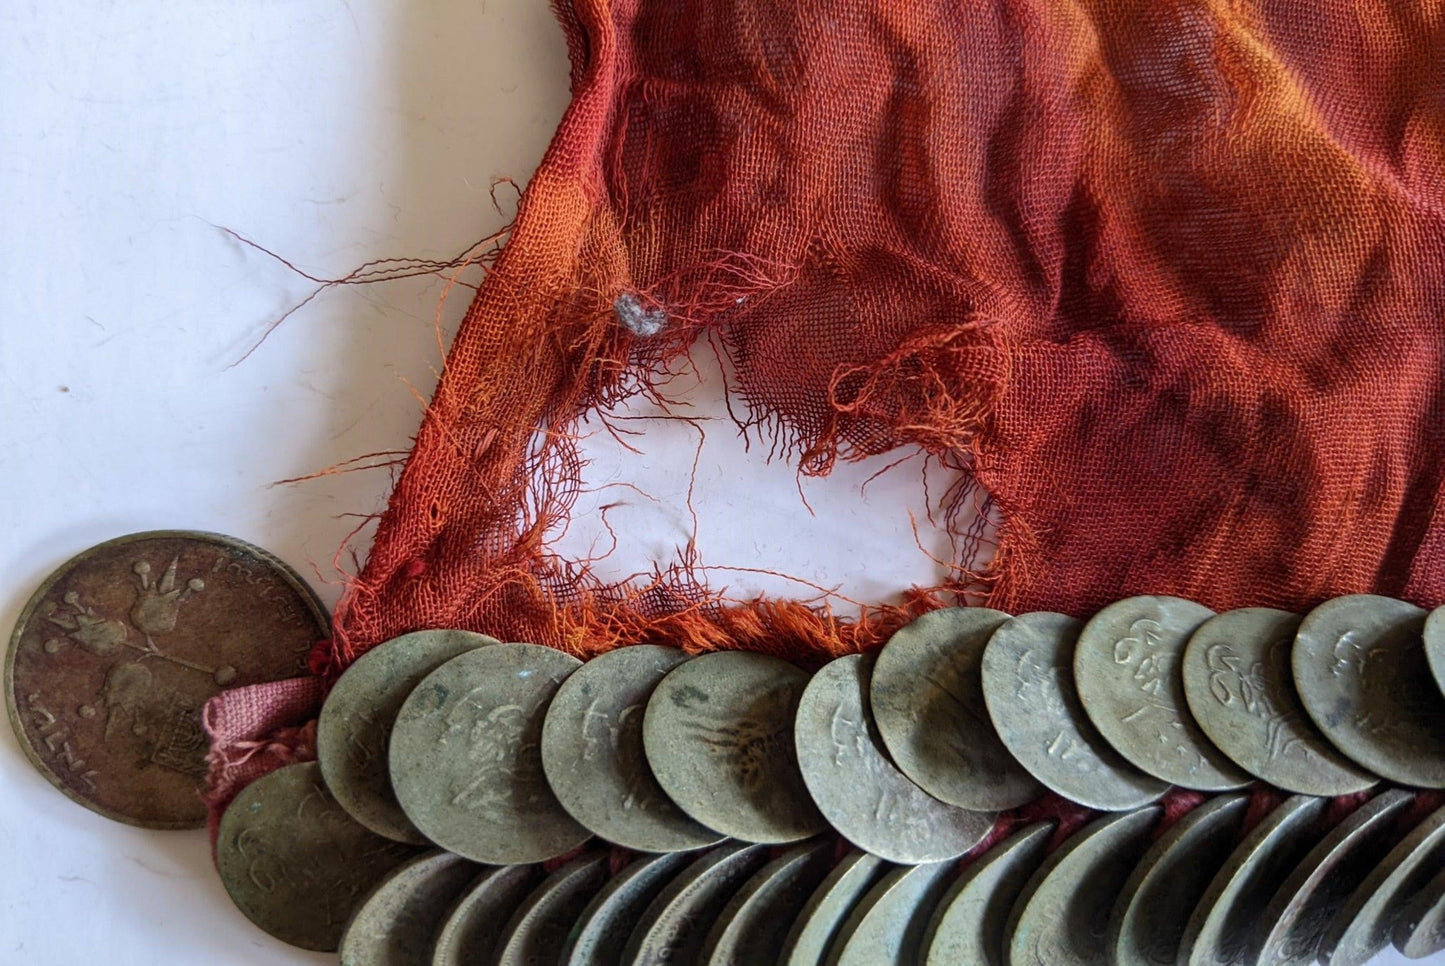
x=333, y=133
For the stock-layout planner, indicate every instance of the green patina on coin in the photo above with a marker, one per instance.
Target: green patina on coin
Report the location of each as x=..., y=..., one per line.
x=1126, y=668
x=1309, y=899
x=1062, y=915
x=1420, y=927
x=967, y=925
x=1359, y=665
x=927, y=696
x=474, y=924
x=1435, y=646
x=354, y=729
x=538, y=930
x=1240, y=689
x=593, y=757
x=860, y=793
x=295, y=862
x=1028, y=685
x=1148, y=918
x=397, y=924
x=465, y=761
x=675, y=924
x=752, y=926
x=818, y=924
x=887, y=927
x=1223, y=929
x=601, y=931
x=718, y=733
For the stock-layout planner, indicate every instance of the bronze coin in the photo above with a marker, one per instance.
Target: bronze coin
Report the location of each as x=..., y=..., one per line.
x=295, y=862
x=814, y=930
x=1420, y=928
x=115, y=654
x=472, y=927
x=887, y=927
x=1435, y=646
x=539, y=928
x=752, y=926
x=675, y=924
x=397, y=923
x=602, y=929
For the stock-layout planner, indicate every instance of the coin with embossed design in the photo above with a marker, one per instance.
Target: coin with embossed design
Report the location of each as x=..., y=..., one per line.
x=295, y=862
x=593, y=758
x=354, y=729
x=966, y=927
x=397, y=923
x=1238, y=683
x=601, y=931
x=718, y=733
x=887, y=927
x=927, y=695
x=538, y=930
x=1435, y=646
x=1028, y=686
x=464, y=756
x=1062, y=915
x=1126, y=668
x=1420, y=928
x=474, y=923
x=751, y=927
x=1359, y=664
x=115, y=654
x=675, y=924
x=813, y=932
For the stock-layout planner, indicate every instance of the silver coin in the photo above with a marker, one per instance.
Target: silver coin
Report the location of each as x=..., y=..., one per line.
x=397, y=924
x=1420, y=927
x=465, y=762
x=753, y=924
x=1304, y=904
x=860, y=793
x=675, y=924
x=816, y=928
x=602, y=930
x=1154, y=905
x=966, y=928
x=538, y=930
x=1028, y=685
x=1359, y=665
x=1062, y=915
x=1126, y=668
x=593, y=758
x=718, y=733
x=1435, y=646
x=1222, y=929
x=1364, y=924
x=1237, y=680
x=471, y=928
x=927, y=696
x=887, y=927
x=354, y=729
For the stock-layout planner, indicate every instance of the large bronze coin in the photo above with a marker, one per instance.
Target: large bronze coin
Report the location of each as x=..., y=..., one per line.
x=814, y=931
x=295, y=862
x=473, y=925
x=1238, y=683
x=718, y=732
x=860, y=793
x=538, y=930
x=927, y=695
x=397, y=923
x=1435, y=645
x=675, y=924
x=1359, y=664
x=1126, y=667
x=465, y=761
x=1028, y=685
x=601, y=931
x=115, y=654
x=1420, y=927
x=752, y=926
x=887, y=927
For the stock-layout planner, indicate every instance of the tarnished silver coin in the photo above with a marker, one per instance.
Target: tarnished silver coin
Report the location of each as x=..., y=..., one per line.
x=1222, y=931
x=538, y=930
x=295, y=862
x=1364, y=924
x=751, y=927
x=1028, y=685
x=1435, y=646
x=675, y=924
x=860, y=793
x=601, y=932
x=1308, y=900
x=816, y=927
x=1359, y=665
x=472, y=926
x=966, y=927
x=1238, y=683
x=1148, y=918
x=718, y=733
x=593, y=758
x=1420, y=927
x=1062, y=915
x=927, y=696
x=1126, y=668
x=887, y=927
x=354, y=729
x=397, y=923
x=465, y=762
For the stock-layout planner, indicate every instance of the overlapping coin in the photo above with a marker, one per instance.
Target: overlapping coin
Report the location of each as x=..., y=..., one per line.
x=396, y=925
x=538, y=929
x=675, y=925
x=967, y=925
x=472, y=926
x=752, y=926
x=887, y=927
x=814, y=931
x=602, y=929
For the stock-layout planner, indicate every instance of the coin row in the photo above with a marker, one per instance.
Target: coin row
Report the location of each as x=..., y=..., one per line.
x=1296, y=883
